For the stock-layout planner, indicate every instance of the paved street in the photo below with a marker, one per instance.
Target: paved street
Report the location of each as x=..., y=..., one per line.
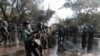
x=18, y=50
x=12, y=50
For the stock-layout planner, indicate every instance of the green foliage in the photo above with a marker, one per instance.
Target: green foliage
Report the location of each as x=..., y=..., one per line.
x=78, y=5
x=90, y=16
x=23, y=9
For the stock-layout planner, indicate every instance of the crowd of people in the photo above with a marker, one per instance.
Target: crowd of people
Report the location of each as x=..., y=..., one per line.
x=37, y=39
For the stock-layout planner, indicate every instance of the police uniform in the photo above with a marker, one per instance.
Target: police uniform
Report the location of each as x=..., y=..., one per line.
x=27, y=39
x=84, y=37
x=90, y=39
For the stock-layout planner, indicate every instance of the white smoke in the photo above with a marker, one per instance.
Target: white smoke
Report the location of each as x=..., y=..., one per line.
x=53, y=19
x=65, y=13
x=61, y=14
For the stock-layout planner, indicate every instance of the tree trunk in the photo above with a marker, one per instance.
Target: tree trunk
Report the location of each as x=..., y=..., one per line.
x=4, y=14
x=12, y=7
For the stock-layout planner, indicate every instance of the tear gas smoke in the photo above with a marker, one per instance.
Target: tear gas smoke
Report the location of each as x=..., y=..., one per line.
x=61, y=14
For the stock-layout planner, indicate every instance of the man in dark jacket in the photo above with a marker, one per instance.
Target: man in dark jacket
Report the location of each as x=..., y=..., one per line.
x=61, y=37
x=84, y=37
x=90, y=38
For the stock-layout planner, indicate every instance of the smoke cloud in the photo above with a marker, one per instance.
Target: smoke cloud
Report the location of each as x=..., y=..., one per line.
x=61, y=14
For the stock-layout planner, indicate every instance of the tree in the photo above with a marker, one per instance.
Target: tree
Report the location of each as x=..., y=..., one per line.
x=3, y=5
x=85, y=10
x=30, y=6
x=49, y=13
x=20, y=9
x=79, y=5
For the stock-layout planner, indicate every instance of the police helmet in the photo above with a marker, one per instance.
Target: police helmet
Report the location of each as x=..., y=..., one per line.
x=25, y=22
x=39, y=25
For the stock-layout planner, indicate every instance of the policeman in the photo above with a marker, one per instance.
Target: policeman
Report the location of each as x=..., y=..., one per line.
x=27, y=38
x=60, y=37
x=49, y=38
x=84, y=37
x=38, y=37
x=5, y=32
x=90, y=38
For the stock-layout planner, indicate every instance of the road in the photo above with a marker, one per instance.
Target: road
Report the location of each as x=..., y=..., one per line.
x=18, y=50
